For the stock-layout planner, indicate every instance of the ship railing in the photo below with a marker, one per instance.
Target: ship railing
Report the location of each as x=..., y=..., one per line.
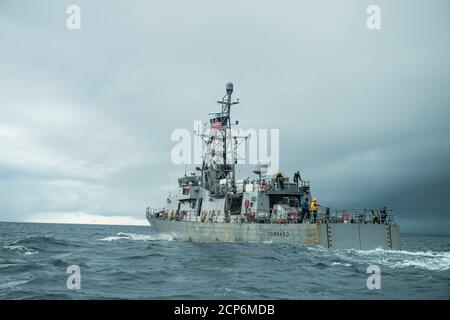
x=181, y=215
x=363, y=216
x=191, y=215
x=304, y=183
x=152, y=211
x=325, y=215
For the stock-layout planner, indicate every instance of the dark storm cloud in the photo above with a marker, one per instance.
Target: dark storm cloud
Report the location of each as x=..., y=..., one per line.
x=86, y=116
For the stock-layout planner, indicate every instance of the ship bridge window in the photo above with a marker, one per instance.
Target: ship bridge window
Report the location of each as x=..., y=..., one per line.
x=290, y=201
x=188, y=181
x=282, y=199
x=293, y=202
x=235, y=205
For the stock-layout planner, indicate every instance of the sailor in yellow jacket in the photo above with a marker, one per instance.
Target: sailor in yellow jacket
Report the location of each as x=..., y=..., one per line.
x=313, y=208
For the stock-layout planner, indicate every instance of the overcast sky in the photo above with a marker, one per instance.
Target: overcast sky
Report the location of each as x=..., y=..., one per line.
x=86, y=115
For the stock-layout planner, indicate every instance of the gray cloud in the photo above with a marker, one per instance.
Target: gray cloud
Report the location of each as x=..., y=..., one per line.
x=86, y=116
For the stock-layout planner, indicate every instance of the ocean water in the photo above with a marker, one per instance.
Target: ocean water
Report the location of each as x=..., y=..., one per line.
x=122, y=262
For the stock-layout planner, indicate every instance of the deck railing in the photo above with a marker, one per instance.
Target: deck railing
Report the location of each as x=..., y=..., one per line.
x=361, y=216
x=357, y=216
x=152, y=211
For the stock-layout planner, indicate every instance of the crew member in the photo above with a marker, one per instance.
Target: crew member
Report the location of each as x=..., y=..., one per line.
x=383, y=215
x=279, y=178
x=297, y=177
x=374, y=217
x=313, y=207
x=327, y=214
x=305, y=210
x=281, y=182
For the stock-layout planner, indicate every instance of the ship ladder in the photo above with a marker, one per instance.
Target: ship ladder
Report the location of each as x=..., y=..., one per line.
x=389, y=236
x=329, y=236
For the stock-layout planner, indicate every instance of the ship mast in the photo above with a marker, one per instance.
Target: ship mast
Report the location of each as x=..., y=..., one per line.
x=226, y=123
x=216, y=166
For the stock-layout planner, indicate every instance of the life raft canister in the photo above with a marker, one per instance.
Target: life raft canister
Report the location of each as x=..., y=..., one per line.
x=346, y=217
x=281, y=220
x=294, y=215
x=262, y=186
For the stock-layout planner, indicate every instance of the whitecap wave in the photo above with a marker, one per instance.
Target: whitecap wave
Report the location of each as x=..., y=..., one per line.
x=341, y=264
x=425, y=260
x=20, y=249
x=138, y=237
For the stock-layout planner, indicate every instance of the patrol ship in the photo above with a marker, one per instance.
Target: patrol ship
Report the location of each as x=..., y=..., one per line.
x=213, y=205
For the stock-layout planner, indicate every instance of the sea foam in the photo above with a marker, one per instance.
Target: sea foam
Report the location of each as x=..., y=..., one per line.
x=138, y=237
x=425, y=260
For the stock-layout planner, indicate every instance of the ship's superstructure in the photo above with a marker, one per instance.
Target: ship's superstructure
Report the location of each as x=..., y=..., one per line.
x=213, y=205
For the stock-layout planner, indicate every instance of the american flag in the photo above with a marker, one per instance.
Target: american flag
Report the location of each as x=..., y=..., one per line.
x=218, y=125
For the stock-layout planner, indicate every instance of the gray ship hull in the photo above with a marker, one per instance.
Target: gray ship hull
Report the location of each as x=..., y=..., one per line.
x=333, y=235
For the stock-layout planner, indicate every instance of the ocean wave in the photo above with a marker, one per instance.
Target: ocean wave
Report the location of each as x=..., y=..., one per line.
x=341, y=264
x=231, y=291
x=8, y=265
x=33, y=244
x=20, y=249
x=425, y=260
x=12, y=284
x=138, y=237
